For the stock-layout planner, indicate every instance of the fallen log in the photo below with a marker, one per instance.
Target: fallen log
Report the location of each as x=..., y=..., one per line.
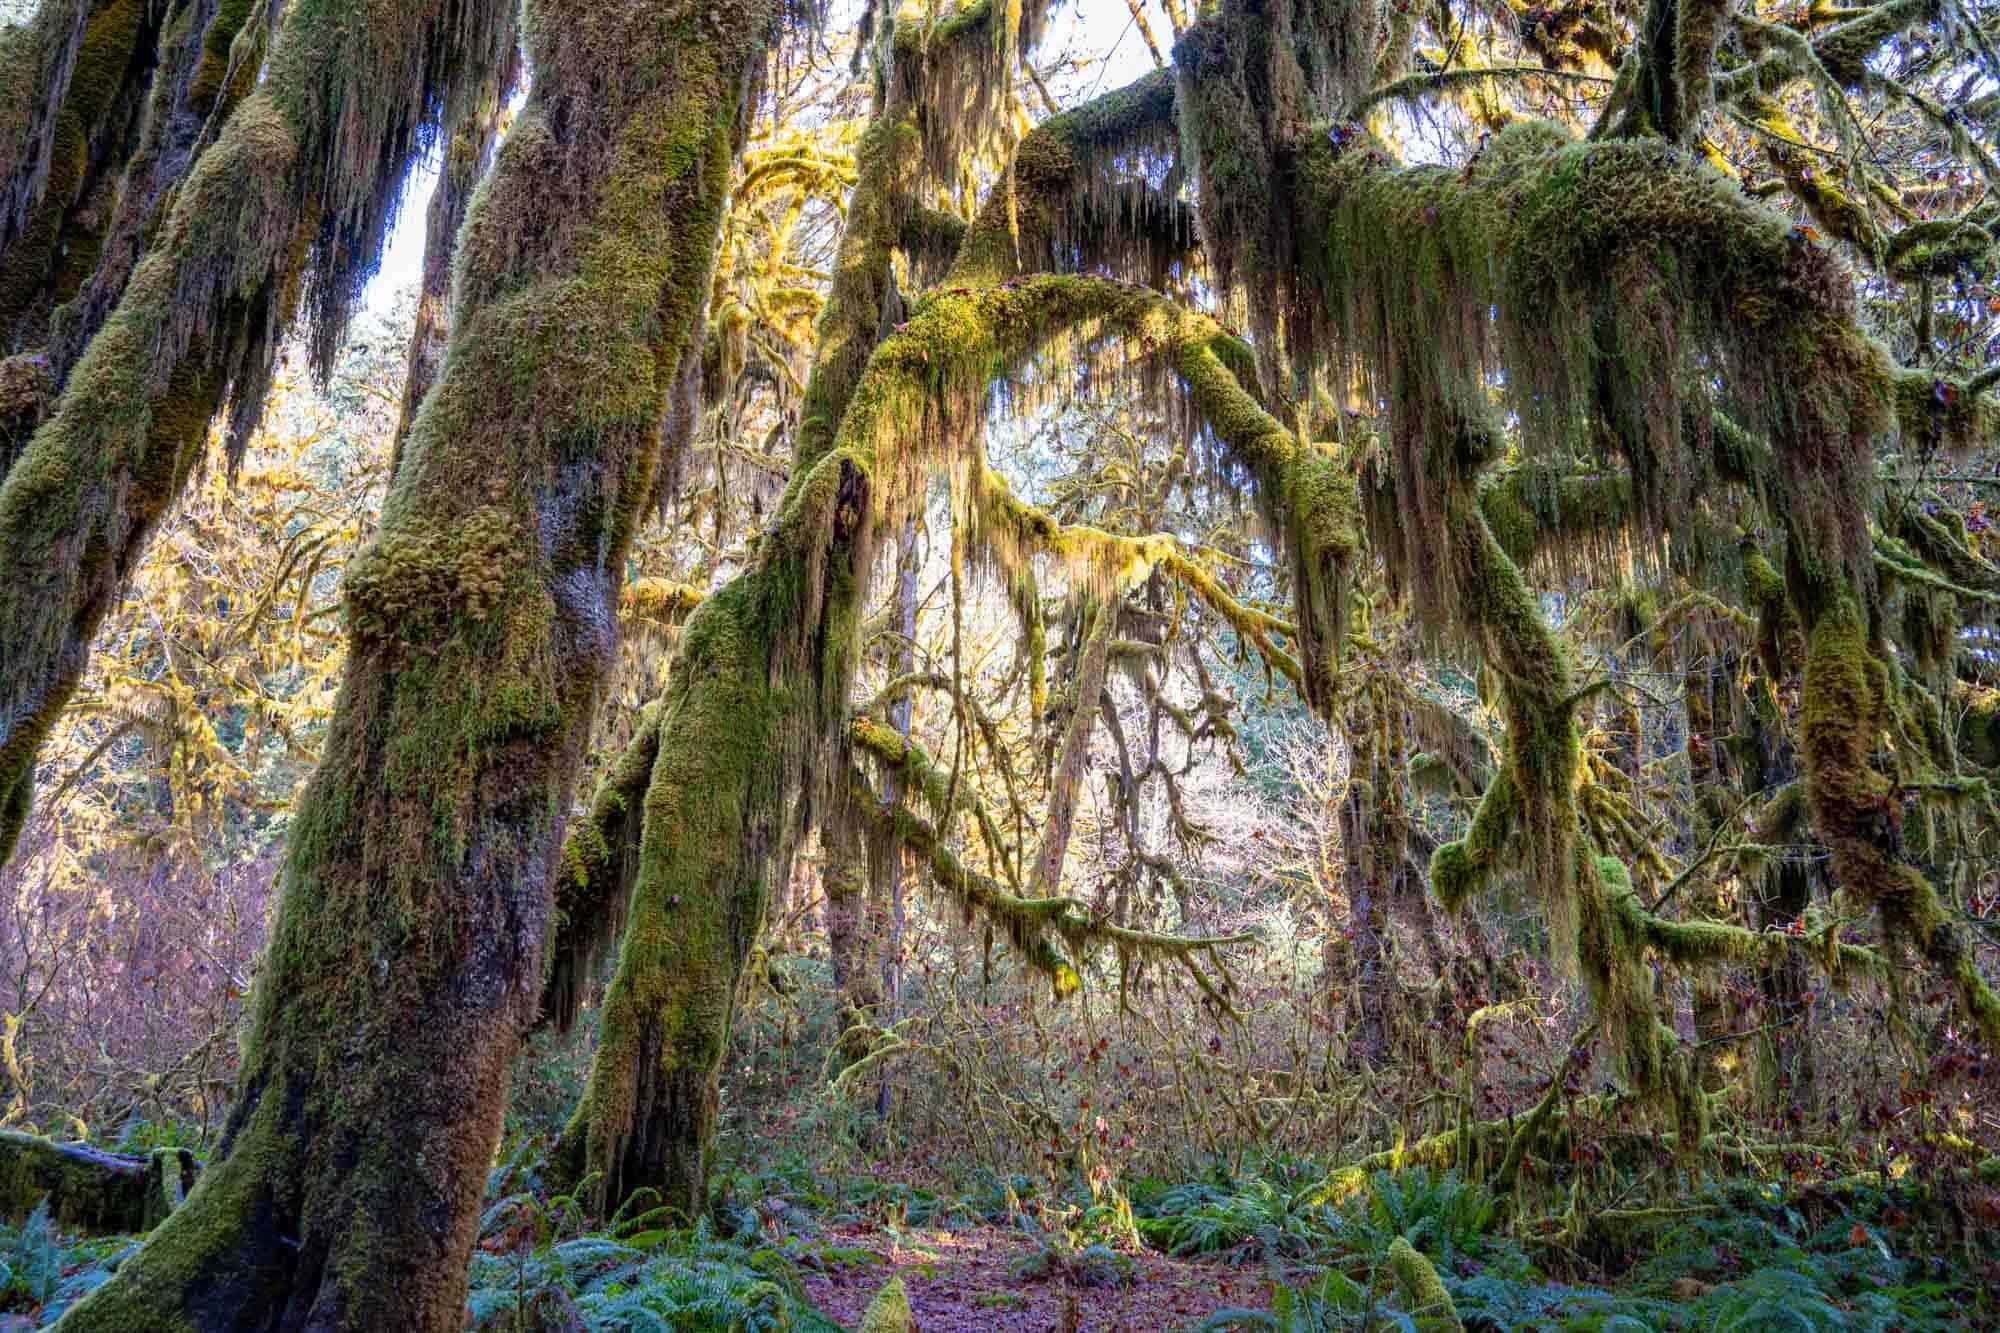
x=89, y=1188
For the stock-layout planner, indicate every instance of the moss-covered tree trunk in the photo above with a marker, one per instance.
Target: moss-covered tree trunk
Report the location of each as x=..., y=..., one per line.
x=406, y=957
x=292, y=198
x=89, y=133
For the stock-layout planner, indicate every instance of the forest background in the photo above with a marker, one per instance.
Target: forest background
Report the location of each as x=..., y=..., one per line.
x=1296, y=1002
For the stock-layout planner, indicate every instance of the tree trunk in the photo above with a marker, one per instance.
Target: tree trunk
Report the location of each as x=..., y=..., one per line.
x=293, y=197
x=1066, y=777
x=886, y=868
x=406, y=956
x=852, y=933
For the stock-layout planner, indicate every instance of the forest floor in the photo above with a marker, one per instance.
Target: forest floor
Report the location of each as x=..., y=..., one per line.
x=794, y=1245
x=970, y=1282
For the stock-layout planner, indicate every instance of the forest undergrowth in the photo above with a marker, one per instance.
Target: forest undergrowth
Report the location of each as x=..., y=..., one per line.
x=824, y=1211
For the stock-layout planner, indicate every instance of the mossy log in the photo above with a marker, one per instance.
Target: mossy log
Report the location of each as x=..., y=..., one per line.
x=1430, y=1302
x=418, y=890
x=89, y=1188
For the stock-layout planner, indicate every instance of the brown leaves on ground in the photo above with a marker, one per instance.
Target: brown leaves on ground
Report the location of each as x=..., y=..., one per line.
x=963, y=1282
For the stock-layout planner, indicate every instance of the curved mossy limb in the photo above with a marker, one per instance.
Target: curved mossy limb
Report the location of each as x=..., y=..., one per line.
x=1594, y=274
x=296, y=190
x=861, y=301
x=406, y=954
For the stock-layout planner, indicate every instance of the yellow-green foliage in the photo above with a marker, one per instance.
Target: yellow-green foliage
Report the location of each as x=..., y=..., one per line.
x=1423, y=1290
x=889, y=1311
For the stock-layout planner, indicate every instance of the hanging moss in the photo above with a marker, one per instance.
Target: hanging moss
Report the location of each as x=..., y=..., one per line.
x=40, y=56
x=212, y=68
x=1859, y=816
x=56, y=247
x=172, y=135
x=1609, y=266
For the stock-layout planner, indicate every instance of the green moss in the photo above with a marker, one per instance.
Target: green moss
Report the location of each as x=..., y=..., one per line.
x=205, y=86
x=29, y=271
x=1593, y=274
x=1462, y=868
x=702, y=884
x=1849, y=700
x=1424, y=1291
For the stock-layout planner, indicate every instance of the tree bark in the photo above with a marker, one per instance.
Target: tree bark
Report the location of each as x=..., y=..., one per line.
x=407, y=952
